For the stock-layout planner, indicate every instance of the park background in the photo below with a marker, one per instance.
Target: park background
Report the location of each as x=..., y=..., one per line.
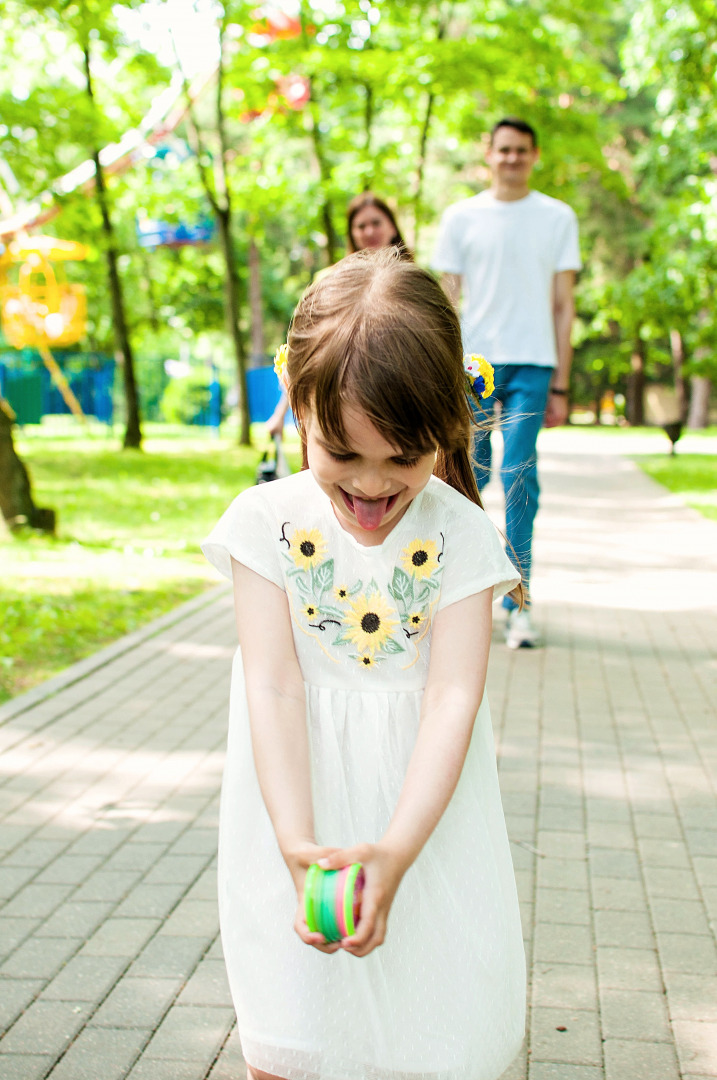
x=205, y=154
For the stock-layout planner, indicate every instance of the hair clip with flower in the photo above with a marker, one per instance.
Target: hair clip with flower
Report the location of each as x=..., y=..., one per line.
x=281, y=358
x=480, y=374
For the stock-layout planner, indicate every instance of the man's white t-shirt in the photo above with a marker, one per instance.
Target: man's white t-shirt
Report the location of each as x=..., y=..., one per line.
x=507, y=254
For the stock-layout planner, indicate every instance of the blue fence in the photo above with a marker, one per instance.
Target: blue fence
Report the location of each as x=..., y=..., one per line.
x=32, y=393
x=263, y=391
x=27, y=385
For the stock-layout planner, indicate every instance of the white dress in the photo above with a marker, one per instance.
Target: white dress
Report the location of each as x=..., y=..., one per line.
x=444, y=997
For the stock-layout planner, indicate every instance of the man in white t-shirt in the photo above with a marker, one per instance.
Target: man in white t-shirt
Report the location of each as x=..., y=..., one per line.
x=511, y=255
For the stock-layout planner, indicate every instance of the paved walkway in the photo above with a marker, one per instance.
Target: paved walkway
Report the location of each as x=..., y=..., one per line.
x=110, y=964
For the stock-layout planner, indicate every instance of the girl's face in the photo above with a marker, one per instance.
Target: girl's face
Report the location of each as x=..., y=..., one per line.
x=370, y=482
x=371, y=228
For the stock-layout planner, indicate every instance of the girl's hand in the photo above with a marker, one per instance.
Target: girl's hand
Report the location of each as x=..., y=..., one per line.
x=299, y=858
x=384, y=870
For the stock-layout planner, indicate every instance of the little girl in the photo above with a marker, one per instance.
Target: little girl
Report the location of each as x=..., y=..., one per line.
x=359, y=731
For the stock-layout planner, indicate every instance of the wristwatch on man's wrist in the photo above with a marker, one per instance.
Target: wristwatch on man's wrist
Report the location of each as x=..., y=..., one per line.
x=558, y=391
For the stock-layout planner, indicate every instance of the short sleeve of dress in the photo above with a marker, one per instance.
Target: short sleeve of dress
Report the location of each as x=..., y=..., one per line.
x=244, y=532
x=474, y=558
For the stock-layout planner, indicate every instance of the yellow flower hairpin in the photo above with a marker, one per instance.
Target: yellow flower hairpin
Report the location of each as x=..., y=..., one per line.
x=281, y=359
x=480, y=374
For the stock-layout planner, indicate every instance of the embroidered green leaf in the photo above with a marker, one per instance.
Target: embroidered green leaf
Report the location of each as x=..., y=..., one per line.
x=342, y=639
x=402, y=587
x=393, y=646
x=422, y=595
x=323, y=576
x=334, y=612
x=357, y=588
x=372, y=587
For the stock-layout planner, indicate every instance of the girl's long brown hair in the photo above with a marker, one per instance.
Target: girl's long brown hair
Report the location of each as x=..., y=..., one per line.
x=379, y=334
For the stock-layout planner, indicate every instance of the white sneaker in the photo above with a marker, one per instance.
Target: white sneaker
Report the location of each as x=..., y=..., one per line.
x=519, y=630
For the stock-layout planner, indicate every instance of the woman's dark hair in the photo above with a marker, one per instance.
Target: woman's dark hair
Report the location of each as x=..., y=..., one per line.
x=360, y=202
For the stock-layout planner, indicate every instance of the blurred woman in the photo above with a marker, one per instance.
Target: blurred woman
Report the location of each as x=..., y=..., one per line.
x=370, y=223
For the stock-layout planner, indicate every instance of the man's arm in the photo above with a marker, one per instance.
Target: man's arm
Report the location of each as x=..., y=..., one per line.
x=452, y=287
x=556, y=411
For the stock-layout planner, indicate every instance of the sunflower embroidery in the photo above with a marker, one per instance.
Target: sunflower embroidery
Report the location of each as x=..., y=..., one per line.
x=370, y=624
x=415, y=586
x=420, y=558
x=307, y=547
x=373, y=622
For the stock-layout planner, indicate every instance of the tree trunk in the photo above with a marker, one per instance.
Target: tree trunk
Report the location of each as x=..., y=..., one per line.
x=677, y=348
x=597, y=403
x=700, y=387
x=232, y=308
x=133, y=431
x=16, y=502
x=313, y=116
x=635, y=404
x=368, y=114
x=218, y=193
x=332, y=240
x=256, y=313
x=420, y=169
x=423, y=144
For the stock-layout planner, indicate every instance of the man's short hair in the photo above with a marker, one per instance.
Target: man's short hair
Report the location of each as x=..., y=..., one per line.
x=518, y=125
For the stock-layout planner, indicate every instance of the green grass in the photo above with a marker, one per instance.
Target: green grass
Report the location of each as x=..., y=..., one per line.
x=693, y=476
x=46, y=627
x=127, y=544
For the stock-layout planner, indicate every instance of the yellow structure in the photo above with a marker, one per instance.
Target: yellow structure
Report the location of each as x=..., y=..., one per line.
x=39, y=310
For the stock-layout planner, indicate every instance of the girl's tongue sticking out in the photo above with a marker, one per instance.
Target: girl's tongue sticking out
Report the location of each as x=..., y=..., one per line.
x=370, y=512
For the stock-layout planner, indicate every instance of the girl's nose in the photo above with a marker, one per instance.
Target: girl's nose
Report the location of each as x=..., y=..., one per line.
x=371, y=483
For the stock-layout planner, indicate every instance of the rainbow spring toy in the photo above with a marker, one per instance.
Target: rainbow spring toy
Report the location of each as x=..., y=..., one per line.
x=332, y=900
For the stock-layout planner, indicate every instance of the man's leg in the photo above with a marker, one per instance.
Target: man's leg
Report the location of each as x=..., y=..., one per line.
x=524, y=399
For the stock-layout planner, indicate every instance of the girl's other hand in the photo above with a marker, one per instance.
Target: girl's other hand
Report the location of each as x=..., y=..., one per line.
x=384, y=870
x=299, y=859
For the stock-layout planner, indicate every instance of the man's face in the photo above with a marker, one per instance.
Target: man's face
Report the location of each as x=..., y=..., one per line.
x=512, y=156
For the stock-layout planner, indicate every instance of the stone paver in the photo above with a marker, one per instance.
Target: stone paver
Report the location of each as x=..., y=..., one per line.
x=110, y=961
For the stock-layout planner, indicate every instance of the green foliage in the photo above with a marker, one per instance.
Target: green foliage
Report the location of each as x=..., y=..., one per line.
x=186, y=400
x=401, y=95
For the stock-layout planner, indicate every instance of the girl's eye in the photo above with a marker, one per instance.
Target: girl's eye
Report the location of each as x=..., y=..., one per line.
x=340, y=457
x=406, y=463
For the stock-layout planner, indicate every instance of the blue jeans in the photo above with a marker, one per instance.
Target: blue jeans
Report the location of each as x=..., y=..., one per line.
x=522, y=390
